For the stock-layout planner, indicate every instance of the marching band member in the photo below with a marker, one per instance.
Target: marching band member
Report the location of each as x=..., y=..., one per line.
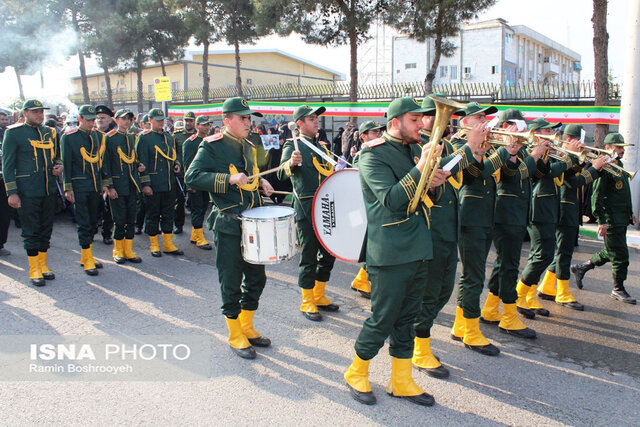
x=307, y=171
x=511, y=216
x=611, y=201
x=222, y=166
x=568, y=223
x=397, y=247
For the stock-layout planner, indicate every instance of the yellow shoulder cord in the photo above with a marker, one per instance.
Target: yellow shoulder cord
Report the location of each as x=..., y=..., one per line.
x=559, y=181
x=253, y=183
x=124, y=158
x=325, y=169
x=496, y=175
x=456, y=183
x=44, y=145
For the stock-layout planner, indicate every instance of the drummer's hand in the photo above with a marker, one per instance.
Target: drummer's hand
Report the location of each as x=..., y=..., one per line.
x=238, y=179
x=267, y=189
x=439, y=178
x=296, y=158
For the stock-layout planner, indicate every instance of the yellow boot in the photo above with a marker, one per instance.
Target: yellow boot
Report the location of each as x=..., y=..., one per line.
x=424, y=360
x=512, y=324
x=565, y=298
x=168, y=246
x=246, y=323
x=46, y=273
x=238, y=340
x=308, y=306
x=194, y=238
x=201, y=242
x=322, y=302
x=547, y=288
x=129, y=254
x=533, y=302
x=87, y=261
x=521, y=303
x=474, y=340
x=490, y=313
x=154, y=246
x=357, y=378
x=118, y=251
x=361, y=284
x=457, y=332
x=402, y=384
x=97, y=263
x=35, y=271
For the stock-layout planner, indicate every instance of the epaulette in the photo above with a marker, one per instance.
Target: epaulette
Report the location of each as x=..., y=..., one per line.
x=146, y=131
x=112, y=132
x=375, y=142
x=192, y=137
x=71, y=130
x=15, y=125
x=212, y=138
x=249, y=142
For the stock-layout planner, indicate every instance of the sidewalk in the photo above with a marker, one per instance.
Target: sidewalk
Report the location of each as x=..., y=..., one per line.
x=633, y=235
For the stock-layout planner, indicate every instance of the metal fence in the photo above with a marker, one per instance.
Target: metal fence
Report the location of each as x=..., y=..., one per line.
x=490, y=92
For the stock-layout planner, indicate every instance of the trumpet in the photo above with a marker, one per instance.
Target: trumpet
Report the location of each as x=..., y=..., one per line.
x=564, y=152
x=599, y=151
x=619, y=170
x=444, y=110
x=526, y=138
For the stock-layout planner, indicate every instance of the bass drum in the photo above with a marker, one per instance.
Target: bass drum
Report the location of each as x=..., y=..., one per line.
x=339, y=216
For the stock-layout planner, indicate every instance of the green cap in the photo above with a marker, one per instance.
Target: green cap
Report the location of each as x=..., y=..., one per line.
x=304, y=111
x=400, y=106
x=156, y=114
x=430, y=104
x=203, y=120
x=541, y=123
x=123, y=112
x=370, y=125
x=145, y=118
x=474, y=108
x=88, y=112
x=238, y=106
x=33, y=104
x=189, y=115
x=616, y=139
x=573, y=130
x=510, y=115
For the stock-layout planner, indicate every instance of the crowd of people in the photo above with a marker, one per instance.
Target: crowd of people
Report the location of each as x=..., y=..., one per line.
x=499, y=185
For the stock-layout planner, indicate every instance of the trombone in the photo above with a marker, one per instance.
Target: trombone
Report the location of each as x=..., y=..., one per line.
x=444, y=110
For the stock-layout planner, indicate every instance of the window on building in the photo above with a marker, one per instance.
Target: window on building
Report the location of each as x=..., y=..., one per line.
x=494, y=69
x=443, y=71
x=175, y=86
x=101, y=84
x=409, y=65
x=453, y=72
x=150, y=88
x=467, y=70
x=249, y=81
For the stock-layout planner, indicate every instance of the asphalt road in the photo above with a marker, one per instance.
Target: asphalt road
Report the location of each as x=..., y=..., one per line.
x=583, y=369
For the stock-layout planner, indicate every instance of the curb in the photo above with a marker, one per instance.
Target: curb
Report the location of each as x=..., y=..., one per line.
x=632, y=241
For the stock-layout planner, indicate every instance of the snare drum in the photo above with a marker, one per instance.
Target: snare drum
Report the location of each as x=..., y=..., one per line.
x=268, y=234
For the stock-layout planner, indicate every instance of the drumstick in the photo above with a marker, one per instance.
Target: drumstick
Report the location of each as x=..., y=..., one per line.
x=268, y=171
x=281, y=192
x=292, y=127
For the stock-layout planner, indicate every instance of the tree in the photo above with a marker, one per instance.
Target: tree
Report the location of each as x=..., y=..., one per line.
x=601, y=63
x=433, y=19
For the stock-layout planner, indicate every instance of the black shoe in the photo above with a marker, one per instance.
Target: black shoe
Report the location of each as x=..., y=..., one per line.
x=622, y=295
x=98, y=264
x=177, y=230
x=528, y=313
x=439, y=372
x=48, y=276
x=520, y=333
x=574, y=305
x=330, y=307
x=487, y=350
x=176, y=252
x=489, y=322
x=316, y=317
x=541, y=311
x=546, y=297
x=260, y=341
x=206, y=247
x=135, y=260
x=364, y=294
x=107, y=240
x=119, y=260
x=423, y=399
x=38, y=282
x=92, y=272
x=367, y=397
x=138, y=230
x=579, y=270
x=156, y=254
x=455, y=338
x=245, y=353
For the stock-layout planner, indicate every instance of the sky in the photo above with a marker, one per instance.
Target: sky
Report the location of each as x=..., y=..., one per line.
x=565, y=21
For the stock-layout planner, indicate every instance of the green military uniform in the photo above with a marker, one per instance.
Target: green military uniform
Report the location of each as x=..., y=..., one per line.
x=82, y=154
x=198, y=201
x=315, y=262
x=241, y=283
x=180, y=137
x=140, y=207
x=397, y=249
x=157, y=152
x=120, y=172
x=28, y=154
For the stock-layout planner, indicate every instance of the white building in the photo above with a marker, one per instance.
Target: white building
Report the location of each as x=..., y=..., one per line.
x=489, y=52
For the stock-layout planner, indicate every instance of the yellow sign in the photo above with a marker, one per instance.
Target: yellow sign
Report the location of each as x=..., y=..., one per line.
x=162, y=87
